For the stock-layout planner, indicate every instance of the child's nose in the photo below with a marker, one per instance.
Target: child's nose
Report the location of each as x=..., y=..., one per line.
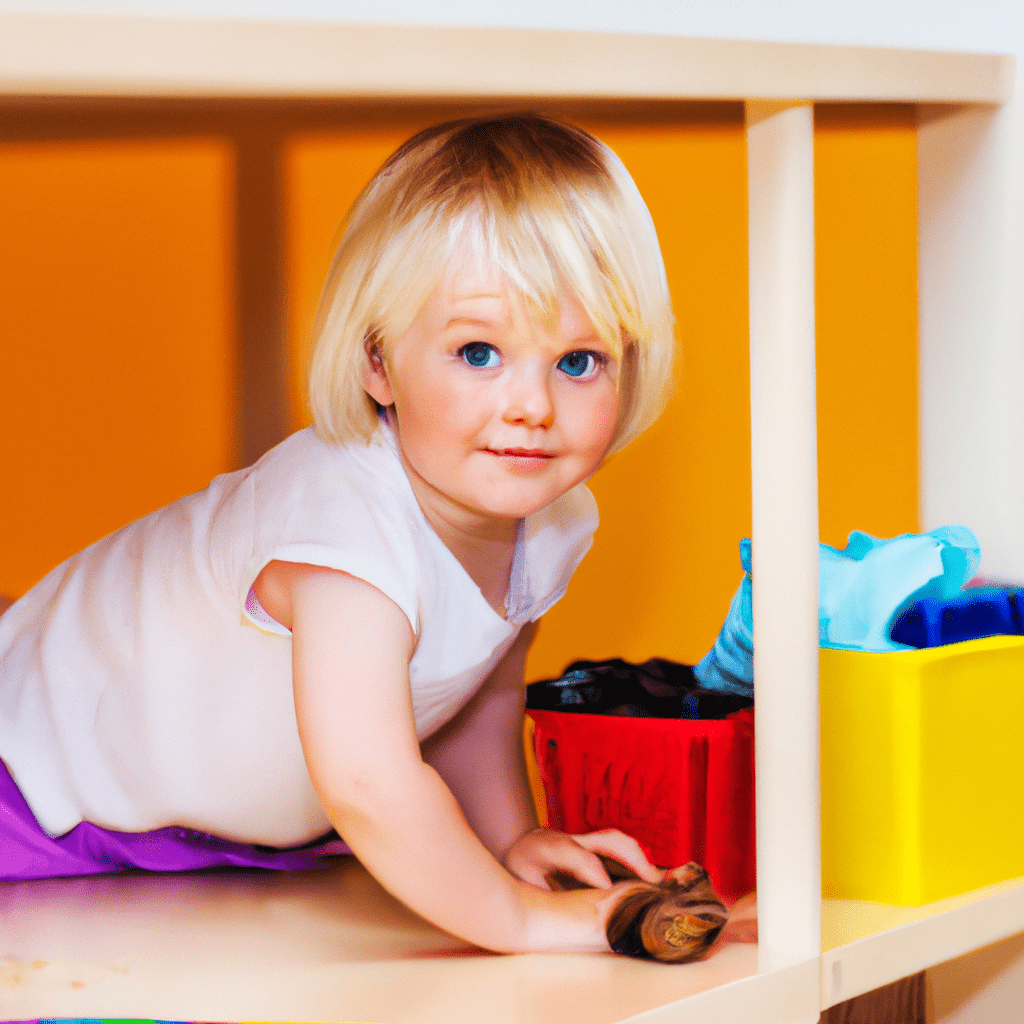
x=528, y=400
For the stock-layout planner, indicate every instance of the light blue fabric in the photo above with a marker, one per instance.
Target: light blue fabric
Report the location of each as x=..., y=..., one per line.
x=729, y=666
x=861, y=589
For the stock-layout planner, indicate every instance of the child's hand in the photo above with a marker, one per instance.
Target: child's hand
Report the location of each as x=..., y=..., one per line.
x=544, y=852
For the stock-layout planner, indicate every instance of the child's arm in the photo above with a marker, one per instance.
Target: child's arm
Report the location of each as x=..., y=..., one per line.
x=352, y=647
x=479, y=755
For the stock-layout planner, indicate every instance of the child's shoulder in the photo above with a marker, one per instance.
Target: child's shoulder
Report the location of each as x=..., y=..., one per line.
x=305, y=463
x=347, y=507
x=311, y=490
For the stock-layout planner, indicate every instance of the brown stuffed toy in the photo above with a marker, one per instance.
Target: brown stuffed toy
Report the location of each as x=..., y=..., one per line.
x=675, y=921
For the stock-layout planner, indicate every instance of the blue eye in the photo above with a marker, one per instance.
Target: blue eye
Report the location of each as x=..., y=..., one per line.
x=581, y=363
x=480, y=355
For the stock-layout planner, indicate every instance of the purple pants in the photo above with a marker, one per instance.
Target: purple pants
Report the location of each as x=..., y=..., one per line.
x=26, y=851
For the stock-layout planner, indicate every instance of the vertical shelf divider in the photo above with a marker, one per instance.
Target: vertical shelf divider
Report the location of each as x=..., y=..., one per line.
x=780, y=169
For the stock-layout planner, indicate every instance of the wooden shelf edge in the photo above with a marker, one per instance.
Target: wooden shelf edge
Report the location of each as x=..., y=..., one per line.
x=108, y=55
x=965, y=923
x=778, y=996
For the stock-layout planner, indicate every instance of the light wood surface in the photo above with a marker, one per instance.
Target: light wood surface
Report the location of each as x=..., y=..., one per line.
x=867, y=945
x=86, y=55
x=328, y=945
x=333, y=945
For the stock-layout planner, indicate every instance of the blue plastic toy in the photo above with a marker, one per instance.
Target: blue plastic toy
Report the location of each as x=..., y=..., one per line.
x=976, y=613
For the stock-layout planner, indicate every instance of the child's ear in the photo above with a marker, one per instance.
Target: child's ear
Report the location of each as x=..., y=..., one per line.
x=375, y=376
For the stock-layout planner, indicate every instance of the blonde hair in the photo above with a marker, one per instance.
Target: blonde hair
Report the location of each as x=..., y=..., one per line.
x=551, y=206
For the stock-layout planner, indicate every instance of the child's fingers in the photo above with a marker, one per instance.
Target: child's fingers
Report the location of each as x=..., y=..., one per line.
x=535, y=874
x=544, y=852
x=576, y=860
x=625, y=849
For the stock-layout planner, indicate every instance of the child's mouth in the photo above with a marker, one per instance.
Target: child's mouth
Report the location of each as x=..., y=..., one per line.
x=525, y=458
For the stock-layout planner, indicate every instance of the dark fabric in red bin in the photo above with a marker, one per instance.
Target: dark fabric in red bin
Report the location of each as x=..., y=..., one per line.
x=684, y=789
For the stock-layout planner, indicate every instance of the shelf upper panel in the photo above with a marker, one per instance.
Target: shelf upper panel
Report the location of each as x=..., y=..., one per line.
x=94, y=55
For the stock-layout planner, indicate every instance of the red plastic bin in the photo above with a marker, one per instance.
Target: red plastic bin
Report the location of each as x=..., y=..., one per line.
x=683, y=789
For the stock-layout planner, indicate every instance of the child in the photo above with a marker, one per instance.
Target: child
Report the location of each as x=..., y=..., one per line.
x=335, y=637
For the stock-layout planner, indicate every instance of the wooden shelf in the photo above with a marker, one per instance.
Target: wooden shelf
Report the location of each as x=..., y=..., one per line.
x=328, y=945
x=139, y=56
x=871, y=944
x=333, y=945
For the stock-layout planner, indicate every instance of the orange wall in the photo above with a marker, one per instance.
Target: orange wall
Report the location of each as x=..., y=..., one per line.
x=676, y=503
x=866, y=220
x=116, y=338
x=116, y=392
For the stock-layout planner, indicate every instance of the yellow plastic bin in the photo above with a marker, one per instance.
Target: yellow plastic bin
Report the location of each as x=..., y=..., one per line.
x=922, y=770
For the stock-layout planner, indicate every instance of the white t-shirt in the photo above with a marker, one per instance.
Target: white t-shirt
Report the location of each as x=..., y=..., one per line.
x=138, y=691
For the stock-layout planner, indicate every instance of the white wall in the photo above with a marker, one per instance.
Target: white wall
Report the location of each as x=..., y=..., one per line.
x=972, y=187
x=994, y=25
x=971, y=174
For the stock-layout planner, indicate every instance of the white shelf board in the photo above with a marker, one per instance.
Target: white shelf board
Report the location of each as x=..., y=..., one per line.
x=332, y=945
x=136, y=56
x=871, y=944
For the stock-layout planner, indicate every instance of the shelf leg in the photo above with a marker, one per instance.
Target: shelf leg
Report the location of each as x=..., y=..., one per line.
x=780, y=168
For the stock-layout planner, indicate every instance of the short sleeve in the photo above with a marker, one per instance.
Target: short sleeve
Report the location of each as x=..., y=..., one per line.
x=347, y=508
